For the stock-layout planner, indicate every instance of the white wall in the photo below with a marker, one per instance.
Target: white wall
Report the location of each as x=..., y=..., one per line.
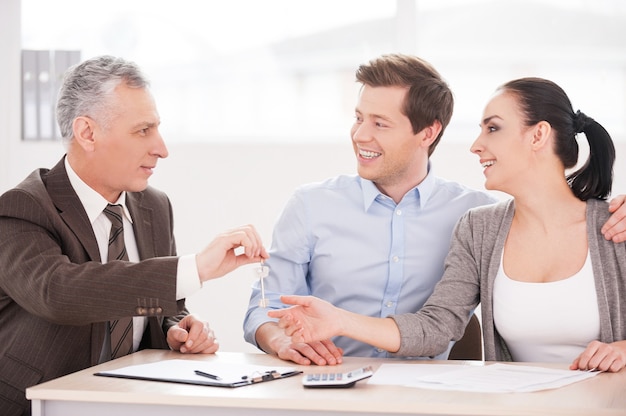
x=214, y=187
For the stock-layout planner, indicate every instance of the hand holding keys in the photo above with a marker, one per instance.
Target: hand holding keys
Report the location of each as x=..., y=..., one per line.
x=262, y=271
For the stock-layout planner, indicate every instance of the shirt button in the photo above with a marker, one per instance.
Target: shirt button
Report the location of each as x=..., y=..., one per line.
x=395, y=259
x=399, y=212
x=379, y=350
x=389, y=304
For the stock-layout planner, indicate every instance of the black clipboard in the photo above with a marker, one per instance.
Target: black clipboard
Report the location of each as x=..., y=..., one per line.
x=185, y=372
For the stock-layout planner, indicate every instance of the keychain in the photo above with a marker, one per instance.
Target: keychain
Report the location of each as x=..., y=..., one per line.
x=262, y=271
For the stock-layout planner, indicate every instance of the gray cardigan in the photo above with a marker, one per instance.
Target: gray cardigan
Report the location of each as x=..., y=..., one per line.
x=470, y=271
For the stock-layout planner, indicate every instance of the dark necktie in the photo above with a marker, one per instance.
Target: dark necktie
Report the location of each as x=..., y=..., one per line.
x=121, y=329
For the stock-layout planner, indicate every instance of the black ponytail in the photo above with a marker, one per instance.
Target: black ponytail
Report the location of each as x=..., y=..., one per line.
x=595, y=178
x=543, y=100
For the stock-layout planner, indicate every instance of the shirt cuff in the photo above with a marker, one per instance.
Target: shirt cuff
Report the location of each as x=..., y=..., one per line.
x=187, y=278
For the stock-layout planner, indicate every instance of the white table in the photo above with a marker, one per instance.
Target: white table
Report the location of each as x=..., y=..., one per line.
x=83, y=394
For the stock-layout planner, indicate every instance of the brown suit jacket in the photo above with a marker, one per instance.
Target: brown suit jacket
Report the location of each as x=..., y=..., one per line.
x=55, y=294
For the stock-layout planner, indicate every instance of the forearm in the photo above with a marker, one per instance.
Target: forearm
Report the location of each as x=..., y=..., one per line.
x=379, y=332
x=72, y=294
x=49, y=272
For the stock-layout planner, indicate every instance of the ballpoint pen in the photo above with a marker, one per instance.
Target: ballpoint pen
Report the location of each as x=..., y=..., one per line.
x=203, y=374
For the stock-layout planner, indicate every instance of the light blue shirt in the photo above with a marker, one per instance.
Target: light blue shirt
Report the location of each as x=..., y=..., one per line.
x=344, y=241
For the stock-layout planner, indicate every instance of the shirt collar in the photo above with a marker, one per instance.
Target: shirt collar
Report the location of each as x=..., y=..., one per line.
x=92, y=201
x=426, y=187
x=422, y=191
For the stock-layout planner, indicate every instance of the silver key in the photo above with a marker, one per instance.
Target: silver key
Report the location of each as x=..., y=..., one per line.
x=262, y=271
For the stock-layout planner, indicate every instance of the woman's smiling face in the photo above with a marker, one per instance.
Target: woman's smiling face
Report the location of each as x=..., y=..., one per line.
x=503, y=143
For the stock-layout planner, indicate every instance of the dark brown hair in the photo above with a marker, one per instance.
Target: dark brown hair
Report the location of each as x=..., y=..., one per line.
x=428, y=99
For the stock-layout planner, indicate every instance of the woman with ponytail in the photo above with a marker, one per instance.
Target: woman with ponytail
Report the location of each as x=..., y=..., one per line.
x=551, y=288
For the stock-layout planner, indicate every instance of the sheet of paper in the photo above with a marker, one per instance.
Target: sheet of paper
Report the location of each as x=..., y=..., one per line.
x=491, y=378
x=405, y=374
x=184, y=371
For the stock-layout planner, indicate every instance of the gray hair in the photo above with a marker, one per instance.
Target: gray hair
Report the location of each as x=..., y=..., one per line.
x=87, y=89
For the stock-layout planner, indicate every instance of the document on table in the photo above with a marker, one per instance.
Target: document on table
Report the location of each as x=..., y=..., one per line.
x=490, y=378
x=219, y=374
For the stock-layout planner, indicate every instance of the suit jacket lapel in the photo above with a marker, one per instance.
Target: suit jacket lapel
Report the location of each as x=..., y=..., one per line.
x=73, y=214
x=142, y=225
x=71, y=209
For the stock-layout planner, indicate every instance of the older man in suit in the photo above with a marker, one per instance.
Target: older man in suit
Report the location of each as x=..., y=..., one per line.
x=61, y=292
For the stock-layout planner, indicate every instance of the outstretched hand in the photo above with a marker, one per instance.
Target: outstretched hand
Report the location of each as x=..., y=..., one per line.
x=309, y=320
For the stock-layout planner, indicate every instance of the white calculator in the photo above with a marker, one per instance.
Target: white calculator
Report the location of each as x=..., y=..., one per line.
x=347, y=379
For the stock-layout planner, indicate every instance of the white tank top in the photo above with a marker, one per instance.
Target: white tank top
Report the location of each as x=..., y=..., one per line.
x=547, y=322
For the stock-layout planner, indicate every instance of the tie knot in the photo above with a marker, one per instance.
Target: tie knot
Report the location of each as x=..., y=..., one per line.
x=114, y=213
